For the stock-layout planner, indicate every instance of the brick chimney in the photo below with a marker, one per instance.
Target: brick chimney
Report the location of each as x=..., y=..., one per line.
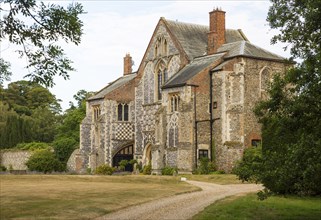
x=216, y=36
x=128, y=64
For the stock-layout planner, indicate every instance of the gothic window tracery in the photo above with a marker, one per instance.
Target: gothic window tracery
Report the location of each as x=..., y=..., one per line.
x=96, y=112
x=173, y=130
x=161, y=47
x=161, y=76
x=174, y=102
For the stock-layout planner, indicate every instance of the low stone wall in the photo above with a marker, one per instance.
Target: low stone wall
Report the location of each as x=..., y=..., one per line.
x=15, y=159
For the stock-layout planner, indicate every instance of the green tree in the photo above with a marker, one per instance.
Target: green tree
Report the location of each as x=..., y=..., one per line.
x=46, y=123
x=5, y=72
x=37, y=114
x=291, y=118
x=38, y=28
x=64, y=147
x=70, y=126
x=24, y=97
x=17, y=129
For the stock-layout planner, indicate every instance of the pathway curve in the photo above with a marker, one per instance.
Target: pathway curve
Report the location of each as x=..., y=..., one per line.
x=182, y=206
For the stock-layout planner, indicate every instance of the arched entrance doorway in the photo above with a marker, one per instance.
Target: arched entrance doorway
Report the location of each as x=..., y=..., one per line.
x=125, y=153
x=147, y=157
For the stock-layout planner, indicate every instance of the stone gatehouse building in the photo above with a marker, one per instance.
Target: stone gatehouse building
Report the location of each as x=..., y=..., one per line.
x=191, y=97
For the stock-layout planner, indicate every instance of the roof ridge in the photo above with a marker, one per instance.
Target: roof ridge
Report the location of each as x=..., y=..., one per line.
x=183, y=22
x=265, y=50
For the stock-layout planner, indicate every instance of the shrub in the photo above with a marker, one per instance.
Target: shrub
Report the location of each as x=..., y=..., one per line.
x=33, y=146
x=88, y=170
x=147, y=170
x=3, y=168
x=122, y=164
x=133, y=161
x=203, y=167
x=64, y=147
x=218, y=172
x=169, y=171
x=105, y=170
x=249, y=167
x=212, y=166
x=139, y=167
x=44, y=161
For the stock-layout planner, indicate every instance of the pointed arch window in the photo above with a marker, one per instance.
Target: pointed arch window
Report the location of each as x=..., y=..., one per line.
x=159, y=84
x=161, y=78
x=161, y=47
x=165, y=75
x=265, y=79
x=174, y=102
x=164, y=47
x=96, y=112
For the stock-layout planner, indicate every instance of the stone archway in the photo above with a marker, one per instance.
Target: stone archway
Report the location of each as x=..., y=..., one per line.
x=147, y=156
x=125, y=153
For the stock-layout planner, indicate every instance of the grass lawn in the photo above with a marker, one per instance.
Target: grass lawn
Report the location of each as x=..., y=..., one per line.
x=80, y=197
x=215, y=178
x=276, y=207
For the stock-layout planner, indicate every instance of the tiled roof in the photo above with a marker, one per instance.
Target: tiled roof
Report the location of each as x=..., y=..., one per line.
x=190, y=70
x=245, y=48
x=112, y=86
x=193, y=37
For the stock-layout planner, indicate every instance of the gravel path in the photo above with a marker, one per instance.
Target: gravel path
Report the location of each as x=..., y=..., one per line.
x=182, y=206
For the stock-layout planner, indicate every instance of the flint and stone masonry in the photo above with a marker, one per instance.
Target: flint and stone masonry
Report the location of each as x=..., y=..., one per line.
x=192, y=96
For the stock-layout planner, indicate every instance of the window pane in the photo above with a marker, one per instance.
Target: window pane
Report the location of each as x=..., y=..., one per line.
x=203, y=153
x=165, y=75
x=125, y=112
x=120, y=112
x=159, y=85
x=255, y=142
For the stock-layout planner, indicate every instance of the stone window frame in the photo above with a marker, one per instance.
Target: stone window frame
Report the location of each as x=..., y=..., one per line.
x=161, y=76
x=96, y=112
x=161, y=46
x=263, y=85
x=123, y=112
x=202, y=153
x=174, y=101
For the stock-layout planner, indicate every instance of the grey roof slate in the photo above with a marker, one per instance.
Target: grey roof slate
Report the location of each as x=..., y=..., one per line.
x=190, y=70
x=245, y=48
x=112, y=86
x=193, y=37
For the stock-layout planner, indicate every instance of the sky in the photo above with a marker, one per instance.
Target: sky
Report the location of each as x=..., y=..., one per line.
x=114, y=28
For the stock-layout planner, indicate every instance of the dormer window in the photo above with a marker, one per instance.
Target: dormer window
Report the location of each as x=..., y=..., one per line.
x=122, y=111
